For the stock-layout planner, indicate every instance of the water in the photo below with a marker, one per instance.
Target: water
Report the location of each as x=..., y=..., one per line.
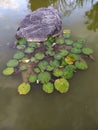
x=76, y=110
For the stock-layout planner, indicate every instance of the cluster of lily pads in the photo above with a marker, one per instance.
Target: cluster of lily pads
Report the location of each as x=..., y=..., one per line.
x=51, y=63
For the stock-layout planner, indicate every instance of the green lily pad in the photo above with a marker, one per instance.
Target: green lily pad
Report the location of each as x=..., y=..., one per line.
x=68, y=42
x=18, y=55
x=60, y=41
x=32, y=78
x=57, y=72
x=24, y=88
x=48, y=87
x=77, y=45
x=61, y=85
x=54, y=63
x=33, y=59
x=44, y=77
x=49, y=68
x=63, y=52
x=87, y=51
x=23, y=67
x=66, y=35
x=36, y=70
x=39, y=56
x=70, y=68
x=29, y=50
x=20, y=47
x=12, y=63
x=32, y=44
x=22, y=41
x=57, y=56
x=70, y=59
x=82, y=65
x=43, y=65
x=8, y=71
x=81, y=40
x=76, y=50
x=68, y=74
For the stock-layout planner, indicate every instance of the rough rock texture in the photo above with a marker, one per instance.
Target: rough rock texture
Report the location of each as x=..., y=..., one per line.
x=40, y=24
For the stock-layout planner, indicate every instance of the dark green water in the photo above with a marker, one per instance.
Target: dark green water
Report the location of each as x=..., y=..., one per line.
x=76, y=110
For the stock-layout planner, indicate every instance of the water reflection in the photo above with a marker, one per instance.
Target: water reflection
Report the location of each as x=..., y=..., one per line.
x=92, y=18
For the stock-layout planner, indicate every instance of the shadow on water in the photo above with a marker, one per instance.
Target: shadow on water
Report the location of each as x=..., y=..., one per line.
x=76, y=110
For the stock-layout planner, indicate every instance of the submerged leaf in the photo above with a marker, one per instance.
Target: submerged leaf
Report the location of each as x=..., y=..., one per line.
x=24, y=88
x=61, y=85
x=8, y=71
x=48, y=87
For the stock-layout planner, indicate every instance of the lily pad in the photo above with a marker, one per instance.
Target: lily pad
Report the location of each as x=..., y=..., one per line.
x=24, y=88
x=33, y=59
x=18, y=55
x=68, y=42
x=39, y=56
x=60, y=41
x=44, y=77
x=48, y=87
x=29, y=50
x=21, y=47
x=68, y=74
x=63, y=52
x=87, y=51
x=76, y=50
x=49, y=68
x=12, y=63
x=57, y=72
x=54, y=63
x=70, y=59
x=66, y=35
x=61, y=85
x=8, y=71
x=32, y=78
x=43, y=65
x=32, y=44
x=23, y=67
x=81, y=40
x=82, y=65
x=77, y=45
x=37, y=70
x=22, y=41
x=57, y=56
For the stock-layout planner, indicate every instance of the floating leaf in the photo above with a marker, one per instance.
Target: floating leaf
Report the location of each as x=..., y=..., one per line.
x=33, y=59
x=22, y=41
x=82, y=65
x=57, y=72
x=67, y=74
x=29, y=50
x=49, y=68
x=66, y=31
x=55, y=63
x=87, y=51
x=62, y=85
x=48, y=87
x=63, y=52
x=32, y=44
x=23, y=67
x=43, y=65
x=60, y=41
x=76, y=50
x=12, y=63
x=39, y=56
x=24, y=88
x=36, y=70
x=68, y=42
x=8, y=71
x=44, y=77
x=70, y=68
x=32, y=78
x=77, y=45
x=66, y=35
x=57, y=56
x=25, y=60
x=20, y=47
x=18, y=55
x=81, y=40
x=51, y=39
x=70, y=59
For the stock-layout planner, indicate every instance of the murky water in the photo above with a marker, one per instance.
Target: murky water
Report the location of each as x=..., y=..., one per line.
x=76, y=110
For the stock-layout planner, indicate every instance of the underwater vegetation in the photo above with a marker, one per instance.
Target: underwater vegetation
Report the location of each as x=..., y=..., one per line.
x=51, y=63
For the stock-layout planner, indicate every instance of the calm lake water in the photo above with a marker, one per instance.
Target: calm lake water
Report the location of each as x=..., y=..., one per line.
x=75, y=110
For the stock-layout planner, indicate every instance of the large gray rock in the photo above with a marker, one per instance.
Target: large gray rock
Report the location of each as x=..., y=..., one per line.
x=40, y=24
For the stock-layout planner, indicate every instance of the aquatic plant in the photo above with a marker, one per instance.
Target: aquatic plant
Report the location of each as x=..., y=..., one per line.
x=87, y=51
x=44, y=77
x=32, y=78
x=39, y=56
x=48, y=87
x=24, y=88
x=12, y=63
x=8, y=71
x=61, y=85
x=18, y=55
x=51, y=63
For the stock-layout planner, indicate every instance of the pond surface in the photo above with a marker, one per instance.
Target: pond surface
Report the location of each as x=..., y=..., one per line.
x=75, y=110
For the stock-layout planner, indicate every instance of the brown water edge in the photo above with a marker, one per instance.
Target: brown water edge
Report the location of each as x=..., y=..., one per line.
x=75, y=110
